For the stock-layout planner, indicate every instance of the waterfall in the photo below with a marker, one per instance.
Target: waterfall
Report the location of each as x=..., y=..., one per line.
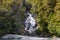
x=30, y=24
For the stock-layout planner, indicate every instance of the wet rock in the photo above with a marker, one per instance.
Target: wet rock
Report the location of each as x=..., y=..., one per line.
x=22, y=37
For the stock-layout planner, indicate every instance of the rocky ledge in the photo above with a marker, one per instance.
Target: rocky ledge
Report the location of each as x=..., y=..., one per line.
x=22, y=37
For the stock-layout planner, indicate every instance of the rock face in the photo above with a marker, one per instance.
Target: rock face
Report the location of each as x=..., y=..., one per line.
x=21, y=37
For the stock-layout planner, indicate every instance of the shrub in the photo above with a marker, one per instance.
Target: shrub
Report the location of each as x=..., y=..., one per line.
x=54, y=25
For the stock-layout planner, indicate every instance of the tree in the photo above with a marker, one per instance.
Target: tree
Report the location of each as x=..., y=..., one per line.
x=43, y=9
x=11, y=16
x=54, y=24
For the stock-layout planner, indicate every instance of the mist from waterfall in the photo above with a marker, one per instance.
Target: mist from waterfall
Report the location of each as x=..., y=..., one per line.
x=30, y=23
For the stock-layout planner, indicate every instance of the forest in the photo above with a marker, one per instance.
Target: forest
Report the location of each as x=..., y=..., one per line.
x=46, y=12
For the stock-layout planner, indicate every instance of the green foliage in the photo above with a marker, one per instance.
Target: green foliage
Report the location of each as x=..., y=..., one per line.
x=11, y=17
x=47, y=15
x=46, y=12
x=43, y=10
x=54, y=24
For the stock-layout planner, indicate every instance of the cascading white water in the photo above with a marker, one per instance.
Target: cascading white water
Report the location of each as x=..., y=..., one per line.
x=30, y=24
